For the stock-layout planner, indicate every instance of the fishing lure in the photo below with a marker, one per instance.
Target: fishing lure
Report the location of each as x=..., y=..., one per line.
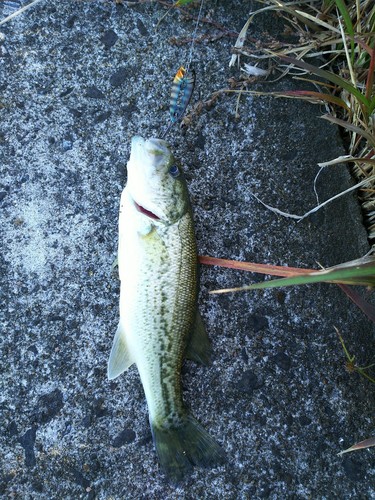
x=184, y=80
x=182, y=88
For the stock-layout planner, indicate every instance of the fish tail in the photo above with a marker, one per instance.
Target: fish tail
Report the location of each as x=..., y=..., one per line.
x=184, y=445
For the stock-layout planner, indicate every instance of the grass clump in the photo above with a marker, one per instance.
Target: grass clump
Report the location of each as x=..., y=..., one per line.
x=335, y=51
x=338, y=41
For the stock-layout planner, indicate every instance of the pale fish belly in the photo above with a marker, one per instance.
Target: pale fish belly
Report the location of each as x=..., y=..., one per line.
x=158, y=274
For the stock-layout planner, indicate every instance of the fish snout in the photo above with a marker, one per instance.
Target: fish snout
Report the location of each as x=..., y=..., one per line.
x=158, y=153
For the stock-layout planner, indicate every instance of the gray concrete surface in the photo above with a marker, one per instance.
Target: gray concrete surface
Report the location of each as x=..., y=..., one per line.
x=78, y=79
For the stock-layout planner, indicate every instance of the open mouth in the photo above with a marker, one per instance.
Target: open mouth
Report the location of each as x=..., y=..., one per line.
x=146, y=212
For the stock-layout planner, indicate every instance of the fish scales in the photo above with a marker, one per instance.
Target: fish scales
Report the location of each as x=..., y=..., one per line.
x=165, y=259
x=159, y=324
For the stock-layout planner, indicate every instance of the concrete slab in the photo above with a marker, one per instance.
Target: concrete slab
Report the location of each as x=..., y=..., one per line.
x=78, y=79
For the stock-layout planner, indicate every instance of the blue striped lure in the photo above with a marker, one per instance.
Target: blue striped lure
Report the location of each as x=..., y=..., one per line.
x=184, y=80
x=182, y=88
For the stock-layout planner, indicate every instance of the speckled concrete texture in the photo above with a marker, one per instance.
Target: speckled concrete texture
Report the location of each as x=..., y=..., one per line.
x=77, y=80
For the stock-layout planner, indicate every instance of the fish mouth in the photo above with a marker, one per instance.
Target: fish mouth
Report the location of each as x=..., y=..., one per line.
x=159, y=145
x=152, y=142
x=146, y=212
x=154, y=152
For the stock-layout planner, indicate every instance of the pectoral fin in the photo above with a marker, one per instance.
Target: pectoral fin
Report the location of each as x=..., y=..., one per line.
x=120, y=358
x=114, y=267
x=114, y=263
x=199, y=346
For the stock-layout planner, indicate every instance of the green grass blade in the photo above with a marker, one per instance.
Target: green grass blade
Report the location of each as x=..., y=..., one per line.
x=318, y=97
x=306, y=95
x=348, y=24
x=182, y=2
x=353, y=128
x=372, y=106
x=327, y=75
x=359, y=301
x=357, y=272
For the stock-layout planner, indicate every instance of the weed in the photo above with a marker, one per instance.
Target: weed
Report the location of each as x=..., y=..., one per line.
x=340, y=38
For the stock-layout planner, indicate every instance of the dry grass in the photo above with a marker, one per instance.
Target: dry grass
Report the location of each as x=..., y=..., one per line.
x=333, y=50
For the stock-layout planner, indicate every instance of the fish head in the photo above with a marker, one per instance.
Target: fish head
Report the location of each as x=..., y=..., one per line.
x=155, y=182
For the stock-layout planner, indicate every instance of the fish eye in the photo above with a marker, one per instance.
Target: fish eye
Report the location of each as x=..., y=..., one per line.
x=174, y=172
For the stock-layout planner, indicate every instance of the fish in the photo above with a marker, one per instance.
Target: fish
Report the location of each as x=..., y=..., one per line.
x=159, y=321
x=182, y=89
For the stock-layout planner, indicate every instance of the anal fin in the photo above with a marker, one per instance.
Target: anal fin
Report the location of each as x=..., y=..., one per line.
x=120, y=358
x=199, y=346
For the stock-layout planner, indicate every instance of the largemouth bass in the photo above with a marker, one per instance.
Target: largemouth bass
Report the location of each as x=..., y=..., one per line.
x=159, y=324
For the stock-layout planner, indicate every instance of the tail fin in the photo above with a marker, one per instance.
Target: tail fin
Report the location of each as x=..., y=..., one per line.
x=179, y=448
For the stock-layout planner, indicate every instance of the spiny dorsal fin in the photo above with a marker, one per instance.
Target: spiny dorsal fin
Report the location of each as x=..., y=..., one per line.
x=120, y=358
x=199, y=346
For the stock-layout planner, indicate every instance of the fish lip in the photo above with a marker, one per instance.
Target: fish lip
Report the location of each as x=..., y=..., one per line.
x=137, y=140
x=150, y=144
x=154, y=142
x=153, y=152
x=147, y=151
